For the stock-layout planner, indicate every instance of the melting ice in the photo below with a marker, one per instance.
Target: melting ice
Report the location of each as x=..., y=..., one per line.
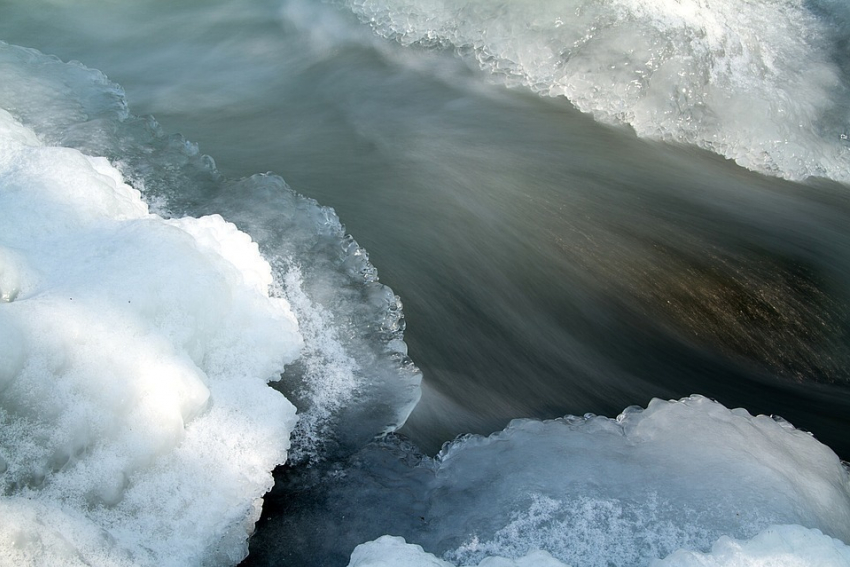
x=137, y=424
x=779, y=546
x=136, y=347
x=763, y=83
x=589, y=491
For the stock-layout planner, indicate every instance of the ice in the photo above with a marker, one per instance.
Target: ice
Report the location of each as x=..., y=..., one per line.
x=776, y=546
x=353, y=379
x=757, y=82
x=590, y=491
x=141, y=324
x=597, y=491
x=388, y=551
x=136, y=422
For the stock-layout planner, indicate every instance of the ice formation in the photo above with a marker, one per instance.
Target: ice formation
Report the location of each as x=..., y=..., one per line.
x=590, y=491
x=136, y=422
x=389, y=551
x=757, y=82
x=776, y=546
x=599, y=491
x=353, y=379
x=137, y=425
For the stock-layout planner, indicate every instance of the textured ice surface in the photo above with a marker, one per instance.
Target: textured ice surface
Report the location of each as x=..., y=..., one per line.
x=590, y=491
x=763, y=83
x=598, y=491
x=389, y=551
x=353, y=379
x=136, y=422
x=776, y=546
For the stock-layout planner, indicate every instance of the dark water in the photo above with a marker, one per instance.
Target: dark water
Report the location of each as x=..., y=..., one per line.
x=550, y=265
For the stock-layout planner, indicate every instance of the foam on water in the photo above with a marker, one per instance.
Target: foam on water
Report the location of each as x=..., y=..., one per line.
x=758, y=82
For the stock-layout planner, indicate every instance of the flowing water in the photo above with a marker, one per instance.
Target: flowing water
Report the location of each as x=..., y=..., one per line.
x=581, y=205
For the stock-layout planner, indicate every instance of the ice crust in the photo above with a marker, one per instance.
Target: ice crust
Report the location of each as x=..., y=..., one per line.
x=776, y=546
x=140, y=331
x=389, y=551
x=599, y=491
x=590, y=491
x=136, y=423
x=757, y=82
x=353, y=379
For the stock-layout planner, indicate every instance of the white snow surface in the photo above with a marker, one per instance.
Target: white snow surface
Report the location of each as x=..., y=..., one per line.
x=137, y=426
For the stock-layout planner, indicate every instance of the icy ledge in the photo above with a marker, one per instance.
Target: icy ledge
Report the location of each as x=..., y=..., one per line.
x=776, y=546
x=760, y=83
x=136, y=422
x=353, y=378
x=591, y=491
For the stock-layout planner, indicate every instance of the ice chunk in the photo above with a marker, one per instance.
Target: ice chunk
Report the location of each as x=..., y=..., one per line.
x=777, y=546
x=598, y=491
x=136, y=422
x=353, y=379
x=757, y=82
x=591, y=491
x=388, y=551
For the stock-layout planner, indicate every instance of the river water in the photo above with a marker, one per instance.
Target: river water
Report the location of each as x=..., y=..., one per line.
x=560, y=244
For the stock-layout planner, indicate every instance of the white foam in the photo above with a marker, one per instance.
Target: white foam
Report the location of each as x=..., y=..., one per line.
x=753, y=81
x=136, y=423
